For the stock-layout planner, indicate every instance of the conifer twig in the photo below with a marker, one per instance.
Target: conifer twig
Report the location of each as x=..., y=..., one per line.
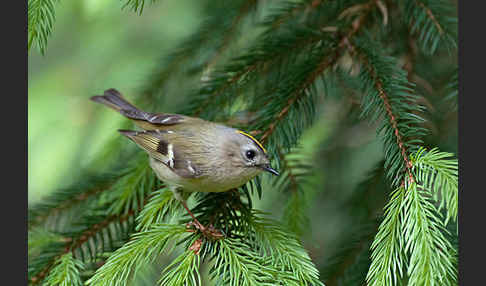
x=327, y=62
x=391, y=116
x=71, y=244
x=431, y=16
x=253, y=66
x=41, y=17
x=66, y=204
x=432, y=21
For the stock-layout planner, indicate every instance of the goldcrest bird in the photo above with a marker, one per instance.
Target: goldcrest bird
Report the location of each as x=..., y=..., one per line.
x=191, y=154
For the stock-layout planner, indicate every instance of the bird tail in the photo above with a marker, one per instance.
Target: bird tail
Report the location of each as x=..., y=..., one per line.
x=113, y=98
x=146, y=120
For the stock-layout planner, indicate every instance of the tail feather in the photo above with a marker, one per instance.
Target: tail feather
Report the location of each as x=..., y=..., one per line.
x=112, y=98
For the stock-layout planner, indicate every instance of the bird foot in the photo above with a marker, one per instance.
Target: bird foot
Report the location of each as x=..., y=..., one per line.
x=209, y=232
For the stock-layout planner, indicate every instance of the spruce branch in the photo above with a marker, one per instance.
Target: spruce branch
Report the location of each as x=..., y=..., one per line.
x=222, y=20
x=284, y=249
x=237, y=264
x=63, y=207
x=269, y=52
x=437, y=172
x=40, y=265
x=254, y=251
x=141, y=249
x=160, y=208
x=184, y=270
x=298, y=92
x=130, y=191
x=66, y=272
x=431, y=254
x=41, y=16
x=432, y=21
x=37, y=239
x=94, y=228
x=225, y=211
x=300, y=44
x=226, y=83
x=94, y=233
x=388, y=93
x=412, y=234
x=285, y=104
x=388, y=256
x=60, y=201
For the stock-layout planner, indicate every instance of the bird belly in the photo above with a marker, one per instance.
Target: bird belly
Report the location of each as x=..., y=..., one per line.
x=203, y=183
x=165, y=174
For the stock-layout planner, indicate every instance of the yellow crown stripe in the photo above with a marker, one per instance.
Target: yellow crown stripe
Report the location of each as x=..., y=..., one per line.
x=252, y=138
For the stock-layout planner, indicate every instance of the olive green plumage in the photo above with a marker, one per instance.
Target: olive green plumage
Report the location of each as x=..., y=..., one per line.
x=190, y=153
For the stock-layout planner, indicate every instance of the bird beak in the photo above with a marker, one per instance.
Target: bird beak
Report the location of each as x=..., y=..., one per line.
x=269, y=169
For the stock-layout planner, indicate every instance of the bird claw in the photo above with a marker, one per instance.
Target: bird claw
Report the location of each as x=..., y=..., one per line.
x=209, y=232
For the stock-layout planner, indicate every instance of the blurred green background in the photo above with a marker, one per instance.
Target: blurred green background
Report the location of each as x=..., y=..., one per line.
x=95, y=45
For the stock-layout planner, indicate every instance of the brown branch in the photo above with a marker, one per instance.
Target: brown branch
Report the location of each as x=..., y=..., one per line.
x=254, y=66
x=73, y=244
x=328, y=61
x=91, y=232
x=431, y=16
x=393, y=121
x=247, y=70
x=166, y=73
x=323, y=65
x=66, y=204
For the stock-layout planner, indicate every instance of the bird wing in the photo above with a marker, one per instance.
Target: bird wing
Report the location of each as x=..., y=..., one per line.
x=158, y=145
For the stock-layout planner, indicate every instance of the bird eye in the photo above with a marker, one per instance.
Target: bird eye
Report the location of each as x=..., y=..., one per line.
x=250, y=154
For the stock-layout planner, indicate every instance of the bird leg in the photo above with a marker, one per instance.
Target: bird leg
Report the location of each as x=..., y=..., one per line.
x=209, y=232
x=195, y=222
